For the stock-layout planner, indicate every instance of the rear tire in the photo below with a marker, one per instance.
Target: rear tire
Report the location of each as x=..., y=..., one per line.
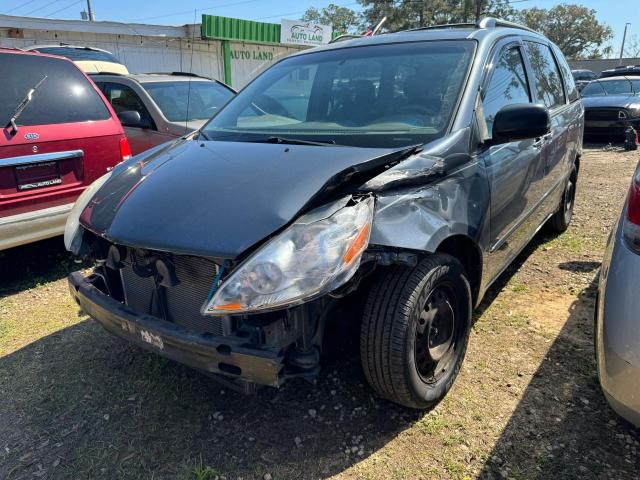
x=562, y=218
x=415, y=330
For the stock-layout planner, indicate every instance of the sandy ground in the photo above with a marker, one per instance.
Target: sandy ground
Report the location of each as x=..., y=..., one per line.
x=77, y=403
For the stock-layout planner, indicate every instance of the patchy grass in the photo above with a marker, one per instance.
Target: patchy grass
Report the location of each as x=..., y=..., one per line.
x=79, y=403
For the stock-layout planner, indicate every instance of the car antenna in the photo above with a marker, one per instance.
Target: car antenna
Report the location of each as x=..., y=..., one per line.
x=193, y=39
x=379, y=26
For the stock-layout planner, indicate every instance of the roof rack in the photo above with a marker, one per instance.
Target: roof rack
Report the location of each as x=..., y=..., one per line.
x=344, y=37
x=484, y=23
x=106, y=72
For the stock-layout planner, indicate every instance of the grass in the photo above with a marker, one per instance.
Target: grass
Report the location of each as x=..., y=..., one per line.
x=76, y=397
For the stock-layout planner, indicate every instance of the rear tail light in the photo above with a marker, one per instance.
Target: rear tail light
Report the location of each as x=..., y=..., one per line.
x=125, y=149
x=631, y=223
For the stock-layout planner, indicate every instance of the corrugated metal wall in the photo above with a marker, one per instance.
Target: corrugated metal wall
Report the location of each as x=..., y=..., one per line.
x=140, y=54
x=238, y=29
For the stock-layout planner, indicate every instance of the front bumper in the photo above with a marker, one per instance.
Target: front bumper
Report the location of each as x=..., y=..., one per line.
x=33, y=226
x=610, y=127
x=617, y=329
x=228, y=355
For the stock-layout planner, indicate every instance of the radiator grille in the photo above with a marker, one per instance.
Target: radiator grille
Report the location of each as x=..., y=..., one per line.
x=184, y=301
x=609, y=114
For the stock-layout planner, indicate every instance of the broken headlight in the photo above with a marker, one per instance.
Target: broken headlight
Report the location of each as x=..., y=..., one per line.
x=317, y=254
x=72, y=230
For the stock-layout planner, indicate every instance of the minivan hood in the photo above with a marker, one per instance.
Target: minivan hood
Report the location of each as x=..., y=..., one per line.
x=217, y=199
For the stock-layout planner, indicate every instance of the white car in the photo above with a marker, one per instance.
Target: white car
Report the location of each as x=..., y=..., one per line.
x=89, y=59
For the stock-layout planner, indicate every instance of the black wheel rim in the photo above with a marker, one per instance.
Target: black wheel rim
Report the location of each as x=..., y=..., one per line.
x=569, y=199
x=436, y=333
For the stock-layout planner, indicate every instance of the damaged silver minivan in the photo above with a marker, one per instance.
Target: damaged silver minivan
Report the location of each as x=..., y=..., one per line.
x=408, y=169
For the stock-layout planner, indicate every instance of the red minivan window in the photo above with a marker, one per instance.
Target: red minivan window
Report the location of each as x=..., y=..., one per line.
x=64, y=96
x=57, y=135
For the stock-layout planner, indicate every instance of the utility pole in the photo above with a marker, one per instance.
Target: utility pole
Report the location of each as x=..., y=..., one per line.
x=624, y=38
x=90, y=12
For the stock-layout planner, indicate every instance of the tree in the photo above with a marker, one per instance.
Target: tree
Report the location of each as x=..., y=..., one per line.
x=632, y=47
x=574, y=28
x=404, y=14
x=342, y=20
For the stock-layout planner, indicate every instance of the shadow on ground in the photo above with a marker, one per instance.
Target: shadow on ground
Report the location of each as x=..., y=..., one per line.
x=562, y=426
x=29, y=265
x=83, y=404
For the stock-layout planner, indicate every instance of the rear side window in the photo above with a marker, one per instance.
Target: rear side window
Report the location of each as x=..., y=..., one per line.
x=508, y=85
x=567, y=78
x=547, y=76
x=65, y=96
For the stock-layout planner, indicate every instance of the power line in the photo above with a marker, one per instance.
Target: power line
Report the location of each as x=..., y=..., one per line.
x=39, y=8
x=19, y=6
x=64, y=8
x=183, y=12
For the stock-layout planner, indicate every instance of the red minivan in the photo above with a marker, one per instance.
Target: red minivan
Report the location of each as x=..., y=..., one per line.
x=59, y=134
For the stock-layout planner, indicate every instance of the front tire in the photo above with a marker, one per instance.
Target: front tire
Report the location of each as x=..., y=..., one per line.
x=415, y=331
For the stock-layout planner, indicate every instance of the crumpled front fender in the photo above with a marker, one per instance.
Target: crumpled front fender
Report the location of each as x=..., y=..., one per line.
x=420, y=218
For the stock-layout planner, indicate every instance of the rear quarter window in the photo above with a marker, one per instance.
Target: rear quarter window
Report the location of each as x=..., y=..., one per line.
x=66, y=96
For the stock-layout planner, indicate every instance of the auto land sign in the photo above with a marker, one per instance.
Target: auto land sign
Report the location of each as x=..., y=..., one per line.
x=297, y=32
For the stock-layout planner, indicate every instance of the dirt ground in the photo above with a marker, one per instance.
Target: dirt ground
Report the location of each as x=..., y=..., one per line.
x=76, y=402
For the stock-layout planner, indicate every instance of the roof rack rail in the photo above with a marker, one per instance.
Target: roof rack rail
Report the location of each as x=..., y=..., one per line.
x=492, y=22
x=177, y=74
x=106, y=72
x=486, y=22
x=344, y=37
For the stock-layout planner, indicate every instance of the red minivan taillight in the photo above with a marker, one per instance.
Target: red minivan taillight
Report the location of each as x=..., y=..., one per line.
x=631, y=222
x=125, y=149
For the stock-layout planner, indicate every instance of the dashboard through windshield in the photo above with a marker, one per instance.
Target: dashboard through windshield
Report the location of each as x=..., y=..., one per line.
x=379, y=95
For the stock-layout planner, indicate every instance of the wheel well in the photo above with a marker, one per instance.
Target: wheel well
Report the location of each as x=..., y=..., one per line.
x=468, y=254
x=577, y=163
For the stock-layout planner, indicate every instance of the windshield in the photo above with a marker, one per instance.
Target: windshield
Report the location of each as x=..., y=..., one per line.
x=612, y=87
x=80, y=54
x=180, y=102
x=380, y=95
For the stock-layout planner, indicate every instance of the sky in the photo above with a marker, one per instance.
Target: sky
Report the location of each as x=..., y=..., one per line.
x=171, y=12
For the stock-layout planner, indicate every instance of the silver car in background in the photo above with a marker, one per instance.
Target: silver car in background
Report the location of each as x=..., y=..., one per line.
x=617, y=318
x=155, y=108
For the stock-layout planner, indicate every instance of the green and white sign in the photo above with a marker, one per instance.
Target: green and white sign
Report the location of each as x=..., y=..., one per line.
x=296, y=32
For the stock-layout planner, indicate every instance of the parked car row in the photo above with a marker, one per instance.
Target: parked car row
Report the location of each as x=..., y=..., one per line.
x=61, y=132
x=612, y=103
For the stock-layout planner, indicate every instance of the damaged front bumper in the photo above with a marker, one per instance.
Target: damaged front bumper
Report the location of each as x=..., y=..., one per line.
x=231, y=356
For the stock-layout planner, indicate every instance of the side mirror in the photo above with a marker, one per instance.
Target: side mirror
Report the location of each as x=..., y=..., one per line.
x=130, y=118
x=520, y=122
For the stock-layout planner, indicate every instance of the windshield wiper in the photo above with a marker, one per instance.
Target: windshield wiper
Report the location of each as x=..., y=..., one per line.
x=295, y=141
x=22, y=105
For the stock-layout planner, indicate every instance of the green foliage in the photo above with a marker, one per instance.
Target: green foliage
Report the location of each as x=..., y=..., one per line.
x=342, y=19
x=405, y=14
x=574, y=28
